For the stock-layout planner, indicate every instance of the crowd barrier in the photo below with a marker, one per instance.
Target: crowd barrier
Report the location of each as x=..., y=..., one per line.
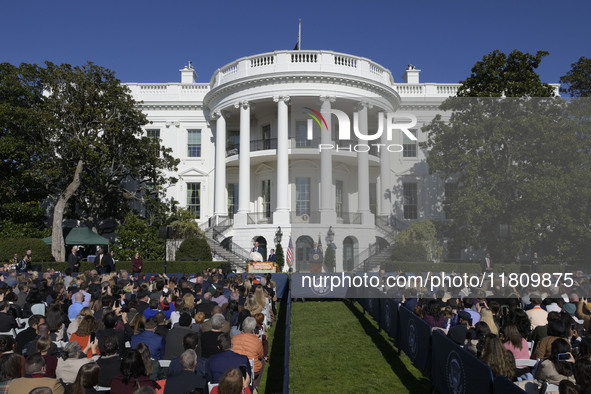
x=287, y=344
x=450, y=368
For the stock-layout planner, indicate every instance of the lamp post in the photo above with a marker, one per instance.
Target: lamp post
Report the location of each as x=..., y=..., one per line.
x=330, y=236
x=278, y=235
x=330, y=258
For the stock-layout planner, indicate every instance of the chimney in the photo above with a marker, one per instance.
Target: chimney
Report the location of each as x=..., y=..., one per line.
x=188, y=74
x=411, y=75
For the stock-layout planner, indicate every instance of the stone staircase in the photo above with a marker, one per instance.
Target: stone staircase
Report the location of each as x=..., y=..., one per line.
x=377, y=253
x=232, y=253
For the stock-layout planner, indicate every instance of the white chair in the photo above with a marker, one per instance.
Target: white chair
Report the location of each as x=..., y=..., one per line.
x=210, y=386
x=38, y=309
x=526, y=361
x=530, y=346
x=551, y=388
x=164, y=363
x=251, y=361
x=60, y=344
x=11, y=333
x=22, y=321
x=102, y=388
x=128, y=345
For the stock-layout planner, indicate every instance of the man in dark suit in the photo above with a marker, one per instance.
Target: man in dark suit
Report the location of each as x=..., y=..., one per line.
x=257, y=248
x=73, y=261
x=272, y=256
x=316, y=254
x=155, y=342
x=187, y=380
x=220, y=363
x=7, y=320
x=487, y=264
x=110, y=361
x=24, y=337
x=174, y=339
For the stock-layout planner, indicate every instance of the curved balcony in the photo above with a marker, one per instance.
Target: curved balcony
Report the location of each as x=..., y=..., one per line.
x=233, y=149
x=306, y=61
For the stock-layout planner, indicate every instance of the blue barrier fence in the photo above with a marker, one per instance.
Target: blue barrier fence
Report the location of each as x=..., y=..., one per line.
x=287, y=344
x=450, y=368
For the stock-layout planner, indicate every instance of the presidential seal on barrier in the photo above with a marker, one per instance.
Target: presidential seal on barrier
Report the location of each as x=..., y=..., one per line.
x=456, y=377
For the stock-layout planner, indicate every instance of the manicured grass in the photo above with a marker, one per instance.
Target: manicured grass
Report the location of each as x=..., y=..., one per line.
x=335, y=348
x=272, y=380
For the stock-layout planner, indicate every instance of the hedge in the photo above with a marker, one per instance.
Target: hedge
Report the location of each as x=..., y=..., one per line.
x=40, y=251
x=194, y=248
x=149, y=266
x=469, y=267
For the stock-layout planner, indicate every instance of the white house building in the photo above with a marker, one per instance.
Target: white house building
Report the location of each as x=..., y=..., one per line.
x=256, y=154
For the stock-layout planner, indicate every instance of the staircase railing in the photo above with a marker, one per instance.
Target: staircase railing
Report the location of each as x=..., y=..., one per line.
x=373, y=250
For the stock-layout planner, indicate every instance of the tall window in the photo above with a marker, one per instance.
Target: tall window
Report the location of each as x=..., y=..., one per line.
x=409, y=193
x=302, y=196
x=153, y=133
x=266, y=198
x=450, y=190
x=302, y=134
x=339, y=198
x=194, y=199
x=232, y=199
x=267, y=136
x=372, y=198
x=194, y=143
x=409, y=147
x=233, y=142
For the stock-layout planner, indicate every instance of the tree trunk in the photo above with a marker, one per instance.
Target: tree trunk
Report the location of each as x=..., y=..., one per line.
x=58, y=246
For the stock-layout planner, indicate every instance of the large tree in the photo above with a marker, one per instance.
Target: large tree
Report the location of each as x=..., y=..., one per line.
x=21, y=187
x=577, y=83
x=578, y=79
x=87, y=144
x=514, y=157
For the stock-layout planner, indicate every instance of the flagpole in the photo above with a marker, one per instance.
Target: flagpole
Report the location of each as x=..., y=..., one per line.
x=300, y=34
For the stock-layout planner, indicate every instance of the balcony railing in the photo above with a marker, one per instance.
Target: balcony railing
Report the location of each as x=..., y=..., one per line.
x=349, y=217
x=259, y=218
x=305, y=61
x=256, y=145
x=297, y=143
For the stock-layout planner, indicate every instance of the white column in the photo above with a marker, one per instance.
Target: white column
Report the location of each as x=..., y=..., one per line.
x=385, y=205
x=281, y=214
x=220, y=200
x=328, y=215
x=241, y=217
x=363, y=169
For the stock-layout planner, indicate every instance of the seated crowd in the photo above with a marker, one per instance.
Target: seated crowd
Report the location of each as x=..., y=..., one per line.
x=79, y=333
x=506, y=328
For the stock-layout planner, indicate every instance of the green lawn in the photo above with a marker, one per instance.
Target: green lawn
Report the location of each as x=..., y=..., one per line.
x=335, y=348
x=272, y=380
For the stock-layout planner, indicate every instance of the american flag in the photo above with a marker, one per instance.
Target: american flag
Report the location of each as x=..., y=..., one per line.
x=290, y=252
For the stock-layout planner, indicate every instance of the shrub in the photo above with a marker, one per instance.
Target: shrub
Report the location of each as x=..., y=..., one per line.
x=409, y=251
x=420, y=237
x=280, y=256
x=40, y=250
x=195, y=248
x=330, y=259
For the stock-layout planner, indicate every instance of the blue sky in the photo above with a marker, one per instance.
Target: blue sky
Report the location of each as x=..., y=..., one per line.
x=149, y=41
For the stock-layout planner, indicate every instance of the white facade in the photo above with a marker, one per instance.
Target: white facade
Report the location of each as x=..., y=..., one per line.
x=247, y=167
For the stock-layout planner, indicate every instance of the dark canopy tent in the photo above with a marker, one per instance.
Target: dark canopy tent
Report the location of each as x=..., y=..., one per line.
x=81, y=236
